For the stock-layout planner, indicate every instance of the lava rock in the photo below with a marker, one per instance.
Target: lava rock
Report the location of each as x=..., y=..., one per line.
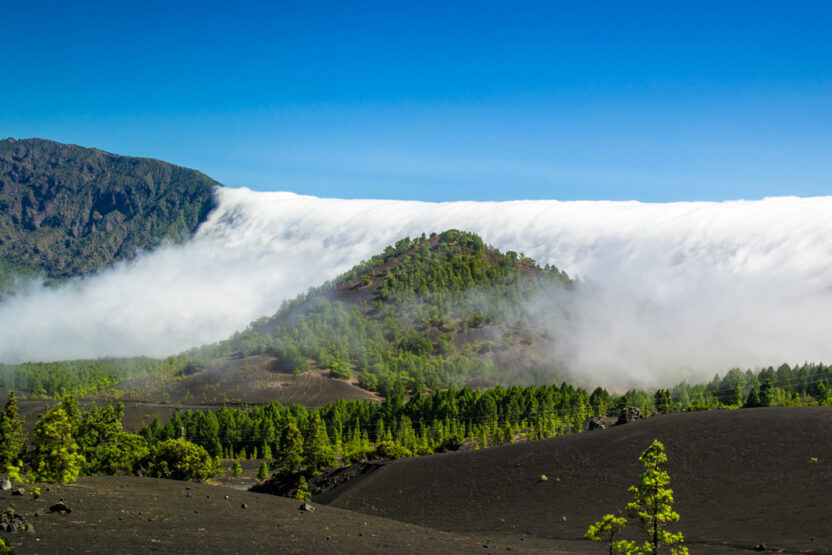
x=6, y=484
x=61, y=508
x=628, y=415
x=306, y=507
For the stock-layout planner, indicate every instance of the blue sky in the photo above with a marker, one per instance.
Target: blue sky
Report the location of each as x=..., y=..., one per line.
x=650, y=101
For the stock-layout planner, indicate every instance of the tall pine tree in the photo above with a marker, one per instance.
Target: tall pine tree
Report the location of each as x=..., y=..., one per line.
x=11, y=434
x=652, y=503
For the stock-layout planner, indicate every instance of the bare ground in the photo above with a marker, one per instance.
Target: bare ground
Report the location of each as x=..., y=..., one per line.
x=741, y=478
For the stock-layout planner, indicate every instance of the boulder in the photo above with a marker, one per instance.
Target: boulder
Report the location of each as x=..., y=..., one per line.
x=60, y=507
x=628, y=415
x=6, y=484
x=598, y=423
x=308, y=507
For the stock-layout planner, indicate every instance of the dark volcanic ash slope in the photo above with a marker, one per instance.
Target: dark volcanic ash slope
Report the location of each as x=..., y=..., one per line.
x=118, y=514
x=741, y=478
x=66, y=210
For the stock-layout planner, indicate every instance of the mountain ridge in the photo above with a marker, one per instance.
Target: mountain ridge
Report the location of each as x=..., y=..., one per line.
x=67, y=210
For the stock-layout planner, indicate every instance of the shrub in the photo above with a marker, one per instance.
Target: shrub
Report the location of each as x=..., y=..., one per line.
x=55, y=457
x=178, y=459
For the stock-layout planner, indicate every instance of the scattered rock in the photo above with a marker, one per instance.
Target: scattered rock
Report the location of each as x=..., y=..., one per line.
x=306, y=507
x=543, y=477
x=6, y=484
x=61, y=508
x=244, y=506
x=760, y=547
x=18, y=491
x=628, y=415
x=13, y=522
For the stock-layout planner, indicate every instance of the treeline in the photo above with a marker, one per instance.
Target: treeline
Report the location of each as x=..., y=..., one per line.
x=781, y=386
x=349, y=431
x=354, y=430
x=81, y=377
x=67, y=442
x=403, y=320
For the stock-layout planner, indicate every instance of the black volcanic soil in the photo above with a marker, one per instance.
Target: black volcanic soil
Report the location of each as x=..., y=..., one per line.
x=740, y=478
x=141, y=515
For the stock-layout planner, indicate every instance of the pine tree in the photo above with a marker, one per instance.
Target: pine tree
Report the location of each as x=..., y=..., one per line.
x=12, y=438
x=753, y=399
x=318, y=451
x=302, y=493
x=768, y=393
x=290, y=457
x=263, y=471
x=822, y=392
x=606, y=530
x=652, y=503
x=662, y=401
x=56, y=457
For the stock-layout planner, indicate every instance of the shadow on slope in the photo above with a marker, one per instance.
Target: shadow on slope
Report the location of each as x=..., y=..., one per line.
x=741, y=478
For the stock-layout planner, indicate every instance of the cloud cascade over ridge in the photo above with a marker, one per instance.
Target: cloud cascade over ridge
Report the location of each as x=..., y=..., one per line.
x=670, y=290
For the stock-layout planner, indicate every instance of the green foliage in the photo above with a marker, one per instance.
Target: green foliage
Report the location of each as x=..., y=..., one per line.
x=662, y=401
x=302, y=491
x=69, y=210
x=606, y=529
x=392, y=450
x=178, y=459
x=652, y=505
x=653, y=502
x=263, y=471
x=317, y=451
x=79, y=377
x=291, y=458
x=5, y=549
x=11, y=434
x=123, y=453
x=236, y=469
x=55, y=456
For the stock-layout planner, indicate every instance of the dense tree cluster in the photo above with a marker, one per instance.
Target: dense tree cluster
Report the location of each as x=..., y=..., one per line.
x=79, y=377
x=785, y=385
x=301, y=440
x=344, y=432
x=68, y=442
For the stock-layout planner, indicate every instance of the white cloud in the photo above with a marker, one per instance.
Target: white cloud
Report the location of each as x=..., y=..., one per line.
x=670, y=289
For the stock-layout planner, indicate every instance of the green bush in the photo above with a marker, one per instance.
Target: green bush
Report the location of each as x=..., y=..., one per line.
x=55, y=457
x=178, y=459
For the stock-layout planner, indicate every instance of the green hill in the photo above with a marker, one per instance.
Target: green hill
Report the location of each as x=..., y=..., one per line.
x=426, y=313
x=66, y=210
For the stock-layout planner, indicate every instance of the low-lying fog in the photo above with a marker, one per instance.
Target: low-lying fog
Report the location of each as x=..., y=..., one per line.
x=669, y=290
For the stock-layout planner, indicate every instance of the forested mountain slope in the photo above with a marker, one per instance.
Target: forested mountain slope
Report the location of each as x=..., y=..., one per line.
x=66, y=210
x=426, y=313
